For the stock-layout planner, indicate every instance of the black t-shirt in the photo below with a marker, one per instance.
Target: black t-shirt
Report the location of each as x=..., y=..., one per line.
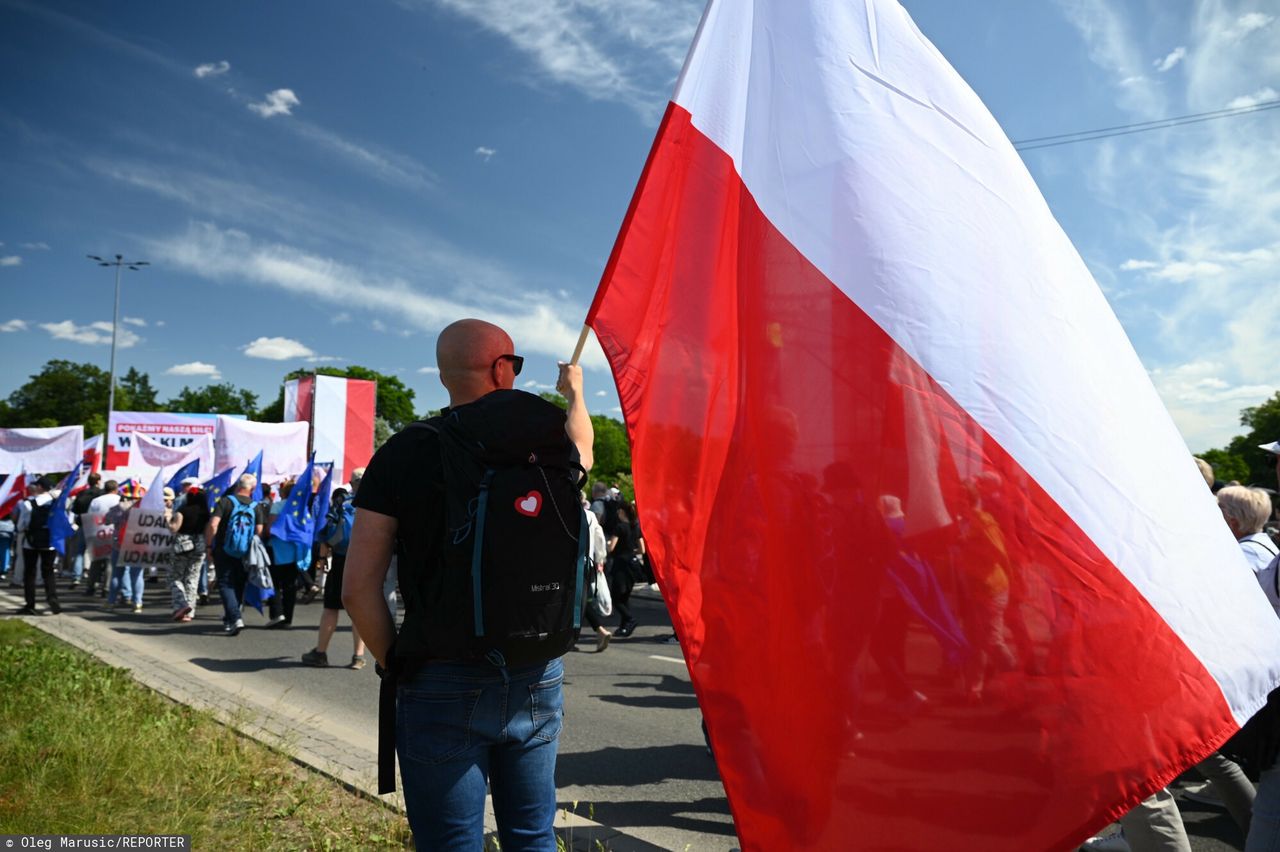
x=222, y=510
x=195, y=516
x=404, y=480
x=626, y=547
x=80, y=505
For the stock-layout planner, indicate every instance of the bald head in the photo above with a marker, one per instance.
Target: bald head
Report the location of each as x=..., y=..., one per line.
x=466, y=352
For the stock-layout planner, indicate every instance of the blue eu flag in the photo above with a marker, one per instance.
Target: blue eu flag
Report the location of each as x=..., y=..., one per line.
x=191, y=468
x=216, y=487
x=320, y=505
x=59, y=525
x=295, y=523
x=255, y=467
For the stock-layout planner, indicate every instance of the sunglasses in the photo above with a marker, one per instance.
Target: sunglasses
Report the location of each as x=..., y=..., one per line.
x=517, y=363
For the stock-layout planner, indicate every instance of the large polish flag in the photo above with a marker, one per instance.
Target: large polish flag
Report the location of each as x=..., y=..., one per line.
x=943, y=571
x=341, y=413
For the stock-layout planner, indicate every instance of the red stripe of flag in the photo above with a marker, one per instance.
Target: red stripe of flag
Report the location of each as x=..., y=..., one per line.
x=778, y=436
x=361, y=411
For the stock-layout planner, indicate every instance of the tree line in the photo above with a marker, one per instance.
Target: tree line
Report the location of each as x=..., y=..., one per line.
x=1241, y=459
x=66, y=393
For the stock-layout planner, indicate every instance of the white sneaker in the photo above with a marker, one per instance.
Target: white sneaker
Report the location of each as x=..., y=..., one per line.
x=1107, y=843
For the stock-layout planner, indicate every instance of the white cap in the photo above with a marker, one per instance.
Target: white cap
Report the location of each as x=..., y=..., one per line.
x=1273, y=447
x=190, y=480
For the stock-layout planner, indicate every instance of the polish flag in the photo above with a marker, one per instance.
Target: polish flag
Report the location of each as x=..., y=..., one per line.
x=92, y=459
x=12, y=491
x=943, y=570
x=341, y=412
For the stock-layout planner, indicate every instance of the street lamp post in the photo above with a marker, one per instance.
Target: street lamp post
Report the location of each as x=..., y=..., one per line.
x=134, y=265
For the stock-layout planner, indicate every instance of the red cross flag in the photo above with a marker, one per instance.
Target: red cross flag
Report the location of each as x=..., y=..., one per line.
x=943, y=571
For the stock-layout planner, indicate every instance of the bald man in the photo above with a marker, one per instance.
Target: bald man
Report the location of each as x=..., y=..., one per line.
x=460, y=724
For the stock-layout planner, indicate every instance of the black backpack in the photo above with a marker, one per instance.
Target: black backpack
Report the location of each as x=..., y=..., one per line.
x=38, y=526
x=511, y=572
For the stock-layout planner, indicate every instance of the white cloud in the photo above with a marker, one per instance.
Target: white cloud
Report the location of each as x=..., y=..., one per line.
x=1108, y=37
x=1248, y=23
x=11, y=260
x=35, y=246
x=279, y=102
x=159, y=323
x=1173, y=58
x=212, y=69
x=138, y=321
x=538, y=322
x=1195, y=210
x=486, y=154
x=429, y=371
x=194, y=368
x=277, y=349
x=602, y=393
x=1266, y=93
x=620, y=50
x=534, y=384
x=95, y=333
x=1198, y=396
x=13, y=325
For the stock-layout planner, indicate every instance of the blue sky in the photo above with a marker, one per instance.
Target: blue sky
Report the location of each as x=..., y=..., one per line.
x=333, y=182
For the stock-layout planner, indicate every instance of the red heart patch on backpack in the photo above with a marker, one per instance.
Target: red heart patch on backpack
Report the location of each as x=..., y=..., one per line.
x=530, y=504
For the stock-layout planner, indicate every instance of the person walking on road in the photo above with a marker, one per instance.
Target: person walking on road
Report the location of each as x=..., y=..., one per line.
x=236, y=519
x=37, y=546
x=626, y=551
x=505, y=731
x=187, y=524
x=339, y=526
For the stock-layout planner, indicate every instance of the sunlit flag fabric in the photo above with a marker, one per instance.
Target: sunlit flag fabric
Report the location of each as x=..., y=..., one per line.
x=255, y=467
x=942, y=568
x=12, y=491
x=92, y=462
x=295, y=523
x=216, y=487
x=323, y=497
x=60, y=528
x=188, y=470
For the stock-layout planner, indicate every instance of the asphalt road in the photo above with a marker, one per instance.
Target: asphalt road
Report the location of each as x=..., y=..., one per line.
x=631, y=752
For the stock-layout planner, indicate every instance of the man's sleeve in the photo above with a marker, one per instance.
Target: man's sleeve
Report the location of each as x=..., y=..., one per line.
x=380, y=488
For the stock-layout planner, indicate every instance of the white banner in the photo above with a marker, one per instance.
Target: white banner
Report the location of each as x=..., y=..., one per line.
x=170, y=430
x=147, y=540
x=156, y=452
x=42, y=450
x=283, y=446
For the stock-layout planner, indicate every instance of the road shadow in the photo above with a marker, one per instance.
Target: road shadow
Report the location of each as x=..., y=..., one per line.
x=652, y=702
x=628, y=767
x=684, y=816
x=666, y=683
x=245, y=666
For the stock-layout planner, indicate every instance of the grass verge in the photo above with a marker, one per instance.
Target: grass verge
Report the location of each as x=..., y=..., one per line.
x=86, y=750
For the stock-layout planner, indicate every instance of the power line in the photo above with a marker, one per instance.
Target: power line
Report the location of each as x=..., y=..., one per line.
x=1139, y=127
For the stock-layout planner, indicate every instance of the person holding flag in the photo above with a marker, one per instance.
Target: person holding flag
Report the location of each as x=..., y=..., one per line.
x=34, y=515
x=292, y=527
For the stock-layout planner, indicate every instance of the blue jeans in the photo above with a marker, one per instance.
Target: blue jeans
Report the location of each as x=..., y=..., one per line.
x=231, y=580
x=126, y=584
x=1264, y=830
x=461, y=725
